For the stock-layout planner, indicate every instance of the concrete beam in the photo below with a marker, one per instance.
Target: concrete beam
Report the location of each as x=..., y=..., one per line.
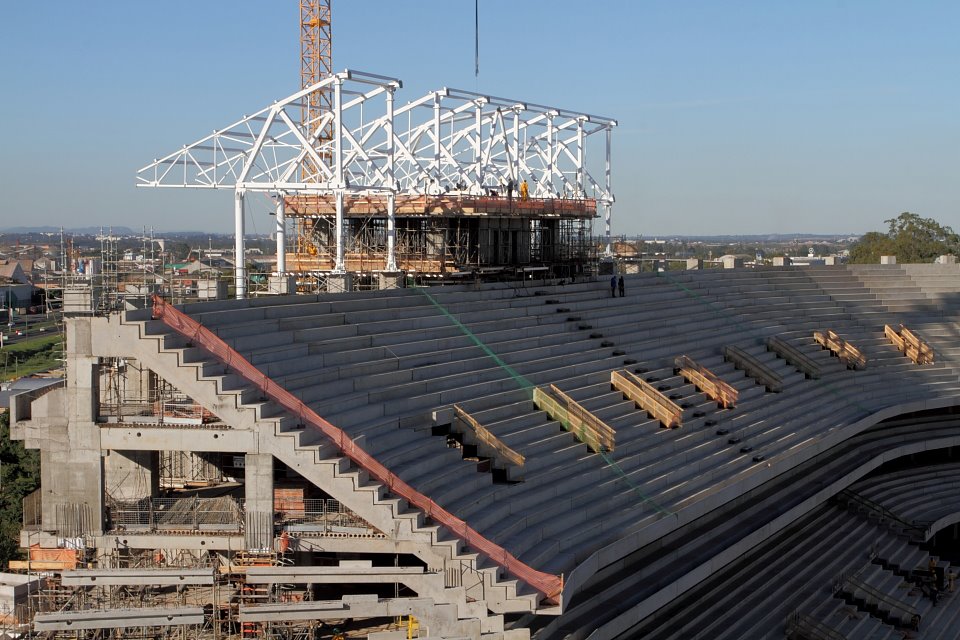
x=117, y=618
x=136, y=577
x=129, y=540
x=317, y=575
x=145, y=438
x=362, y=606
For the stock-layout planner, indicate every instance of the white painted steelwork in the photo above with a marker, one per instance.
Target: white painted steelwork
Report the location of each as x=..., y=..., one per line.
x=447, y=141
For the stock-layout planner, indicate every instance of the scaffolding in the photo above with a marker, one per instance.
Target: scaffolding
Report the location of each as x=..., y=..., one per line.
x=131, y=393
x=454, y=182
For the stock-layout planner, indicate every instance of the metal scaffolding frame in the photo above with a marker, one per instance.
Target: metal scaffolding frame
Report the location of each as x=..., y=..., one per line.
x=448, y=154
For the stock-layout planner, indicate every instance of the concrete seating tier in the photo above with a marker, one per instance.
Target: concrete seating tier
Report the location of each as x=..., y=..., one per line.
x=922, y=495
x=378, y=366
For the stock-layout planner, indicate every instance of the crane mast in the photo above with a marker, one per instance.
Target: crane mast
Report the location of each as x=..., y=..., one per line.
x=316, y=63
x=316, y=56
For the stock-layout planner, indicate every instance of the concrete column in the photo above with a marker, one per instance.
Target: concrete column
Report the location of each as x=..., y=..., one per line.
x=258, y=486
x=71, y=466
x=339, y=282
x=391, y=280
x=694, y=263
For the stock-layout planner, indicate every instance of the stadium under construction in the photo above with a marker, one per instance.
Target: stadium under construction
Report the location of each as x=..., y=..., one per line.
x=506, y=460
x=522, y=450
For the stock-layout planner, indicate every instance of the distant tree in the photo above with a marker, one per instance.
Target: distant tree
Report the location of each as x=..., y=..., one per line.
x=19, y=476
x=178, y=251
x=909, y=237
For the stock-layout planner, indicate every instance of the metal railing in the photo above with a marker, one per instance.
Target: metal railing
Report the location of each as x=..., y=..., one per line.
x=321, y=516
x=156, y=514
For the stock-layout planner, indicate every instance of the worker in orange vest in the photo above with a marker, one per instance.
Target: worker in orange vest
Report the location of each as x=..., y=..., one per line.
x=524, y=190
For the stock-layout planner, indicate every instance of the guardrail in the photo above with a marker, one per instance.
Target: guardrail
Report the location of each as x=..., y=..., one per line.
x=754, y=368
x=800, y=626
x=501, y=452
x=549, y=585
x=908, y=615
x=794, y=356
x=647, y=398
x=707, y=382
x=912, y=345
x=918, y=532
x=586, y=427
x=848, y=354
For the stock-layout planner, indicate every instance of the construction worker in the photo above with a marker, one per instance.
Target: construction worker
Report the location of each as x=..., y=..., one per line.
x=524, y=190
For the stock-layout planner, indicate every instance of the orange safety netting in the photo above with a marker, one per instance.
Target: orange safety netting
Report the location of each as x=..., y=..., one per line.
x=550, y=585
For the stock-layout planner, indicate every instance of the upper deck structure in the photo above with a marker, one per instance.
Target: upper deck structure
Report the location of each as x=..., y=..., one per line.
x=453, y=182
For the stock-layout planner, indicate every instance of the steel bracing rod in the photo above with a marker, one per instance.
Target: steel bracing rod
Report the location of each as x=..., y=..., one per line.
x=217, y=160
x=495, y=158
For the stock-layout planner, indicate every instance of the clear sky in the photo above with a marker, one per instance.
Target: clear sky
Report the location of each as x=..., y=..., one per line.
x=765, y=116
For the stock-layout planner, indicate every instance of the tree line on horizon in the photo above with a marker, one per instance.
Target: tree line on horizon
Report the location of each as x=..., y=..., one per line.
x=910, y=238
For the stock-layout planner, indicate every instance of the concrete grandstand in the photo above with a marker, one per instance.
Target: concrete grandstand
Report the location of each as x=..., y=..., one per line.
x=491, y=460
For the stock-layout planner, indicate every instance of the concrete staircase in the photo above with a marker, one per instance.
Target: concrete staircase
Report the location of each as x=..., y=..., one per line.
x=321, y=463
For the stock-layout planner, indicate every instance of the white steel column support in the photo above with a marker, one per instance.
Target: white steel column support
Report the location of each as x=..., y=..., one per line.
x=340, y=183
x=391, y=265
x=437, y=145
x=338, y=266
x=515, y=165
x=239, y=267
x=580, y=158
x=608, y=198
x=477, y=149
x=281, y=236
x=551, y=152
x=338, y=133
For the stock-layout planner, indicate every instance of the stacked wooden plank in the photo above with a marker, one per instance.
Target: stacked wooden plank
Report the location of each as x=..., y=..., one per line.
x=587, y=428
x=848, y=354
x=912, y=345
x=707, y=382
x=647, y=398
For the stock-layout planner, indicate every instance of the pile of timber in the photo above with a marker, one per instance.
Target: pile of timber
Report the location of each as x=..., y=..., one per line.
x=910, y=344
x=848, y=354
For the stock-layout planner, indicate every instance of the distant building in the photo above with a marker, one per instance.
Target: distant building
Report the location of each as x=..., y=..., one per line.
x=13, y=272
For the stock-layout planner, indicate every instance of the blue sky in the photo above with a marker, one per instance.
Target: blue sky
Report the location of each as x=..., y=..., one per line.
x=735, y=117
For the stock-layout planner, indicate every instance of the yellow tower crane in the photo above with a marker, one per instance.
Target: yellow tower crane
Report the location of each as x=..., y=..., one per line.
x=316, y=63
x=316, y=55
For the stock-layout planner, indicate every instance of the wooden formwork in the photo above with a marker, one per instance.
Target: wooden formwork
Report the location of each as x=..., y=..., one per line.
x=707, y=382
x=647, y=398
